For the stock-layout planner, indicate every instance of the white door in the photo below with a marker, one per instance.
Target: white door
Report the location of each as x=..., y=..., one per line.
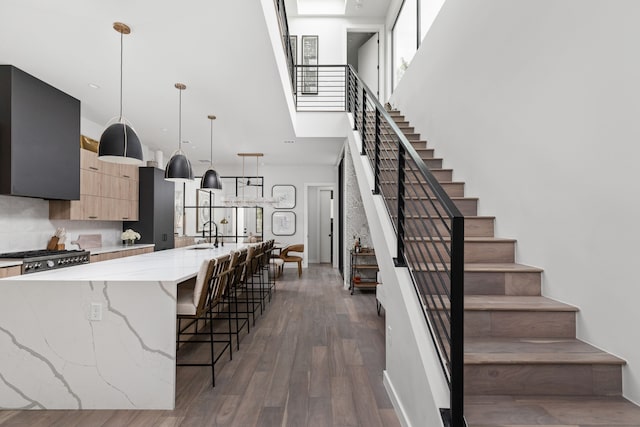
x=324, y=219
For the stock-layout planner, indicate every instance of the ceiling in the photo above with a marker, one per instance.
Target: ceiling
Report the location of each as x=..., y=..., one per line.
x=219, y=49
x=352, y=9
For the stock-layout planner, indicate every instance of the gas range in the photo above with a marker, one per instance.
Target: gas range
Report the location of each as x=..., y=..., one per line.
x=43, y=260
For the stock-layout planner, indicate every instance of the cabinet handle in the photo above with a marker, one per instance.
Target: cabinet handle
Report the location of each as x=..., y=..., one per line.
x=126, y=176
x=93, y=217
x=125, y=217
x=93, y=168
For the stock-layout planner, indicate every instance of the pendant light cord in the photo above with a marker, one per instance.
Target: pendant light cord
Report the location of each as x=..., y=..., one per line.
x=121, y=56
x=180, y=120
x=211, y=152
x=121, y=78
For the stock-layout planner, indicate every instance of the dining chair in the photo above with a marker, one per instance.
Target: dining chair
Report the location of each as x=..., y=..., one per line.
x=286, y=257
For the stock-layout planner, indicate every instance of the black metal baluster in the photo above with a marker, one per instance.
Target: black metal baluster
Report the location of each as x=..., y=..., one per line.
x=376, y=177
x=355, y=107
x=399, y=260
x=457, y=321
x=347, y=98
x=363, y=130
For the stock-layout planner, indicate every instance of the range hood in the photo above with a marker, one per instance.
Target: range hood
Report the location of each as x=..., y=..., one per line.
x=39, y=138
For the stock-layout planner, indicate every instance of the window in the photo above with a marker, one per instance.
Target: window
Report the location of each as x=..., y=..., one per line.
x=411, y=26
x=404, y=38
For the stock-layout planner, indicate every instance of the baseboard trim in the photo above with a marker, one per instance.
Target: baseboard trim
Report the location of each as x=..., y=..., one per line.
x=393, y=396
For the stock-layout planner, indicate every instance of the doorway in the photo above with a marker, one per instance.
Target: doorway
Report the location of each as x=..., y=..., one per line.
x=363, y=54
x=319, y=223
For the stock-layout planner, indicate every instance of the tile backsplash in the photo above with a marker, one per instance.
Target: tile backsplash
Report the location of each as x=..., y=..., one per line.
x=25, y=225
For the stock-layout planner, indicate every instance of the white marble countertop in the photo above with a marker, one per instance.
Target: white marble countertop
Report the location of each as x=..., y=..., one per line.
x=173, y=265
x=10, y=262
x=117, y=248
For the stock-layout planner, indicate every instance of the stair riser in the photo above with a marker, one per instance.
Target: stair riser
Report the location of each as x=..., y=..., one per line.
x=473, y=227
x=499, y=283
x=532, y=379
x=520, y=324
x=466, y=206
x=453, y=189
x=474, y=252
x=494, y=283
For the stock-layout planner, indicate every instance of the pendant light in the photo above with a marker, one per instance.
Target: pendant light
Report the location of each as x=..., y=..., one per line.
x=119, y=142
x=211, y=179
x=179, y=167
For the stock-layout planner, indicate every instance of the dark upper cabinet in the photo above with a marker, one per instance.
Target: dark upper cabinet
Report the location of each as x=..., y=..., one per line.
x=39, y=138
x=156, y=209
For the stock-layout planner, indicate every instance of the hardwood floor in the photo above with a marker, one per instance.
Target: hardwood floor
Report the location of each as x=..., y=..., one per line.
x=314, y=358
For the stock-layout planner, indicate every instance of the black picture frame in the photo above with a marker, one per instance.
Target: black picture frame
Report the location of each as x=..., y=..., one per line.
x=287, y=195
x=283, y=223
x=309, y=80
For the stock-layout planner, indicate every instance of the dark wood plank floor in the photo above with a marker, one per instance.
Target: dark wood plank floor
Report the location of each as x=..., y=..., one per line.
x=315, y=358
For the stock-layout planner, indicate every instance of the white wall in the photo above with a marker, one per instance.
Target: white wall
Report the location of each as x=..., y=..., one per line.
x=368, y=63
x=535, y=105
x=332, y=36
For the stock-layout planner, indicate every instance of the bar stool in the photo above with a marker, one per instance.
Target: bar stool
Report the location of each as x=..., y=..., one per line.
x=197, y=303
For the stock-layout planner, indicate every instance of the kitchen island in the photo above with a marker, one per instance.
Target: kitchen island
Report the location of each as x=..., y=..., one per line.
x=95, y=336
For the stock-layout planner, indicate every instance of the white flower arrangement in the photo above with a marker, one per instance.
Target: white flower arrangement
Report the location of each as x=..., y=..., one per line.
x=129, y=234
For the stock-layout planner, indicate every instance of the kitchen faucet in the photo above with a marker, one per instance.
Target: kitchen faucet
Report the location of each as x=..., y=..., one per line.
x=215, y=244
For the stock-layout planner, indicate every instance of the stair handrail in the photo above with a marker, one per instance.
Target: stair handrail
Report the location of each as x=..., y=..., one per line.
x=454, y=416
x=450, y=207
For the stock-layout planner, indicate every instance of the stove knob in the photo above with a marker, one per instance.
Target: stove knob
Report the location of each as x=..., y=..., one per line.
x=27, y=267
x=50, y=264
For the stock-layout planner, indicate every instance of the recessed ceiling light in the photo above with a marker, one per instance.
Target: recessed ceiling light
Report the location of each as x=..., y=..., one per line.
x=94, y=86
x=204, y=160
x=164, y=130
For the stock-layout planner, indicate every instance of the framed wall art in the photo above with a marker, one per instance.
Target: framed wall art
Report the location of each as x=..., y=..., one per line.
x=283, y=223
x=309, y=79
x=204, y=202
x=286, y=195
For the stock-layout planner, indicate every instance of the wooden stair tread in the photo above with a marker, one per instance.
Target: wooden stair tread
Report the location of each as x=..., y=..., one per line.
x=466, y=239
x=489, y=267
x=504, y=303
x=549, y=351
x=472, y=217
x=514, y=303
x=453, y=198
x=549, y=411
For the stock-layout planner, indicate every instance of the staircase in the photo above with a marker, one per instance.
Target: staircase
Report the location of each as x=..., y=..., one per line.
x=523, y=364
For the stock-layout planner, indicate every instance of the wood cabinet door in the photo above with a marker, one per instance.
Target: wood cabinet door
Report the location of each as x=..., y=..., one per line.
x=90, y=182
x=128, y=172
x=14, y=270
x=92, y=207
x=89, y=161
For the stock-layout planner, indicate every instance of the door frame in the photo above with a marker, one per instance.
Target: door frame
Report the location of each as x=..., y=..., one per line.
x=379, y=29
x=328, y=186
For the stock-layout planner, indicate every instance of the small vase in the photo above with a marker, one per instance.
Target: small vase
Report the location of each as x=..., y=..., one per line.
x=129, y=242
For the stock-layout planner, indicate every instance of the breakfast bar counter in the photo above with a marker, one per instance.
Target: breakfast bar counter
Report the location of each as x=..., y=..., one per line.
x=95, y=336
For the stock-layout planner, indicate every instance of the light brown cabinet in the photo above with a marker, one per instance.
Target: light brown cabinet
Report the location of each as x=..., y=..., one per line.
x=120, y=254
x=15, y=270
x=108, y=192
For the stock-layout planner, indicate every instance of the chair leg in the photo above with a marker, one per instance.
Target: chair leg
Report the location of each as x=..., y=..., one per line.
x=299, y=268
x=213, y=356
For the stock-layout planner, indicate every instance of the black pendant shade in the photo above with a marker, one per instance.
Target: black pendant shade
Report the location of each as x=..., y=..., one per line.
x=120, y=144
x=179, y=168
x=211, y=180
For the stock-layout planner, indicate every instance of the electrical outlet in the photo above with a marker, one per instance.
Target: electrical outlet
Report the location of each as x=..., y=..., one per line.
x=95, y=312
